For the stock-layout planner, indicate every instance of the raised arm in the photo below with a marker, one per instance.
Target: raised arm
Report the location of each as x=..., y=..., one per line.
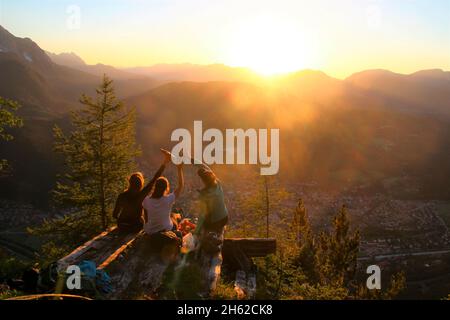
x=180, y=185
x=149, y=186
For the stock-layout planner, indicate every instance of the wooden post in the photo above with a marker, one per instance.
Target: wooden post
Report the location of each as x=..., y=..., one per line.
x=267, y=206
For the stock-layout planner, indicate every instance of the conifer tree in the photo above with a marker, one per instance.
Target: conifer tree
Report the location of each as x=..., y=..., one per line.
x=263, y=212
x=323, y=267
x=99, y=153
x=337, y=251
x=253, y=222
x=8, y=119
x=307, y=251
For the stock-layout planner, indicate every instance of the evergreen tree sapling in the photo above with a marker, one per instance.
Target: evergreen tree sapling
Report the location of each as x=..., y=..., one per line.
x=98, y=154
x=8, y=119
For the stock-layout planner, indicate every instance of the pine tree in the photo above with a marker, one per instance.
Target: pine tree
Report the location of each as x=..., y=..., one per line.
x=396, y=285
x=301, y=226
x=262, y=212
x=307, y=251
x=337, y=251
x=329, y=261
x=8, y=119
x=323, y=266
x=99, y=153
x=253, y=210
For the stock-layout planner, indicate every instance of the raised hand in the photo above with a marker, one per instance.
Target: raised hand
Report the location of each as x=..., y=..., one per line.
x=167, y=156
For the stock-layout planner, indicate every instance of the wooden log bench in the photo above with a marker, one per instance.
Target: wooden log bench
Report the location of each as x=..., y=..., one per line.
x=102, y=250
x=135, y=272
x=105, y=250
x=238, y=252
x=237, y=256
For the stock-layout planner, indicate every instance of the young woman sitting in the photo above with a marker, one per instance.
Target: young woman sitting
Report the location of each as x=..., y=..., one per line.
x=128, y=209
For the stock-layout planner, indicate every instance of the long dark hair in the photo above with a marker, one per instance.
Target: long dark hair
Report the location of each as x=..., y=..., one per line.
x=135, y=182
x=161, y=186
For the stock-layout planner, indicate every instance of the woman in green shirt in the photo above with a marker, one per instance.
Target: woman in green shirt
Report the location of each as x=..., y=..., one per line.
x=215, y=213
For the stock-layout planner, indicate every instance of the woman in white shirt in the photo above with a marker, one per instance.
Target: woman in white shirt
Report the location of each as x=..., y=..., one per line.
x=158, y=206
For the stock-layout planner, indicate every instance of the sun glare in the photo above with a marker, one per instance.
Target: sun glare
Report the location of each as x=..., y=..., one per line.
x=268, y=46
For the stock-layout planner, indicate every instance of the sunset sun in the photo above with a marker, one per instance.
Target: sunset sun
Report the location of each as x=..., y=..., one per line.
x=268, y=46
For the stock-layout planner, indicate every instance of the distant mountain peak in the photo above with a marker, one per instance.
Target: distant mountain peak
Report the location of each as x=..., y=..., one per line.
x=310, y=73
x=372, y=73
x=3, y=30
x=432, y=74
x=437, y=70
x=25, y=48
x=382, y=75
x=69, y=59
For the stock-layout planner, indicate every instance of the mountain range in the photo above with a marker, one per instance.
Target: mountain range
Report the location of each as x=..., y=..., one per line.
x=375, y=129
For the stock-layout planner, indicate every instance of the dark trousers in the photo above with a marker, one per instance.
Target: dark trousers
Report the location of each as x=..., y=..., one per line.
x=217, y=226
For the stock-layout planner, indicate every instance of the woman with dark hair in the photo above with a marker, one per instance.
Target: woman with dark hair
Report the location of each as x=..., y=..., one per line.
x=158, y=206
x=128, y=209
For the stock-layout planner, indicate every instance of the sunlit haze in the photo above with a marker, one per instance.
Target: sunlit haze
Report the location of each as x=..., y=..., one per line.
x=337, y=37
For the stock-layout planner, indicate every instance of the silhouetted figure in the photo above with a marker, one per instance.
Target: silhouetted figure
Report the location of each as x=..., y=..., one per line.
x=214, y=215
x=158, y=206
x=128, y=209
x=160, y=226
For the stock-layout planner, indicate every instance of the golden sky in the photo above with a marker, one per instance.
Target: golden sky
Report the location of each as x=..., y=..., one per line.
x=337, y=37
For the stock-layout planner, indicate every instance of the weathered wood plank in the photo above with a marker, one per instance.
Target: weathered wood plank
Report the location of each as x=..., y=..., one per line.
x=237, y=253
x=136, y=272
x=120, y=250
x=98, y=249
x=252, y=247
x=78, y=254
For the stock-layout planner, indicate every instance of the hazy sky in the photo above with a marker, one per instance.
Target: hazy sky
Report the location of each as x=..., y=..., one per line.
x=338, y=37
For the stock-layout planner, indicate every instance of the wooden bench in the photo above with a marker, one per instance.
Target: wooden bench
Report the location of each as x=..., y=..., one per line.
x=102, y=250
x=133, y=270
x=237, y=257
x=238, y=252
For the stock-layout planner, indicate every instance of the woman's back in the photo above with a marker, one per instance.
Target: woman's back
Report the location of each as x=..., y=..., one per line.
x=214, y=201
x=158, y=213
x=128, y=209
x=131, y=211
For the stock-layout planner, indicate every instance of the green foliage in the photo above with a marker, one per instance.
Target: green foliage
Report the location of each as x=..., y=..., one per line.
x=321, y=266
x=260, y=217
x=337, y=252
x=280, y=278
x=6, y=293
x=10, y=267
x=50, y=251
x=182, y=282
x=396, y=285
x=98, y=153
x=8, y=119
x=224, y=291
x=307, y=257
x=275, y=276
